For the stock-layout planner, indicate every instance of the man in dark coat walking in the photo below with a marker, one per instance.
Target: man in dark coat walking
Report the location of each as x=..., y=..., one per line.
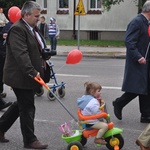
x=136, y=75
x=3, y=35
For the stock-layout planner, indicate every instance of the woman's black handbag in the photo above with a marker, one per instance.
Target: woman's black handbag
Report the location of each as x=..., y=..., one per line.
x=47, y=74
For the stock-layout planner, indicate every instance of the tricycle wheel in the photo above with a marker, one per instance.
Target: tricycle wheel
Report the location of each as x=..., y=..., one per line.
x=74, y=146
x=50, y=96
x=114, y=140
x=61, y=92
x=39, y=91
x=83, y=140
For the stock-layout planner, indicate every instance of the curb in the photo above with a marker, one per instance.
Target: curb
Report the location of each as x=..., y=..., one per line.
x=97, y=55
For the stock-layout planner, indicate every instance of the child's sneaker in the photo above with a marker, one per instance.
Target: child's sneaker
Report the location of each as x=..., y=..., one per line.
x=100, y=141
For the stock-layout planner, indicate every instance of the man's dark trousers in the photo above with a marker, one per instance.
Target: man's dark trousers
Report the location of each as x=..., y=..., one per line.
x=144, y=101
x=24, y=107
x=2, y=61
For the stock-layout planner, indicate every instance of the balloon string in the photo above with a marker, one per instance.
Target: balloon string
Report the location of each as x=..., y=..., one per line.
x=60, y=67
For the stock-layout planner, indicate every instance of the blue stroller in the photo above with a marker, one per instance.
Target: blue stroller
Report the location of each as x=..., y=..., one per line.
x=58, y=89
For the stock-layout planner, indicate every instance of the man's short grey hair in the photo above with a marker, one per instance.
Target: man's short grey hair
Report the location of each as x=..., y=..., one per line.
x=28, y=7
x=146, y=6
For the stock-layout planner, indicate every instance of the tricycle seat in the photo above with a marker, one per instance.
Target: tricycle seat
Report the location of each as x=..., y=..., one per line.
x=88, y=131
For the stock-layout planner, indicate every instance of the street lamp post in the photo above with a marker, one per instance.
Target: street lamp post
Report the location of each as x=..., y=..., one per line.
x=74, y=21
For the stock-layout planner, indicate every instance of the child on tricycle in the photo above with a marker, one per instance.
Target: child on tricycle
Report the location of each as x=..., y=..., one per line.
x=94, y=122
x=90, y=105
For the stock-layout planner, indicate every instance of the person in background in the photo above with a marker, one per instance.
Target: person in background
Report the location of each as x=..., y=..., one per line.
x=144, y=139
x=43, y=27
x=3, y=36
x=3, y=19
x=4, y=104
x=54, y=32
x=90, y=105
x=23, y=63
x=137, y=68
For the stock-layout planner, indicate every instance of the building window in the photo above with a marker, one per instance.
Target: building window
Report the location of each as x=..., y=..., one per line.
x=44, y=7
x=63, y=7
x=45, y=4
x=95, y=7
x=93, y=35
x=95, y=4
x=63, y=3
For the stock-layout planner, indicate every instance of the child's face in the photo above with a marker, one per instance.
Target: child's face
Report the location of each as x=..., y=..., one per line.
x=97, y=94
x=1, y=10
x=53, y=22
x=42, y=20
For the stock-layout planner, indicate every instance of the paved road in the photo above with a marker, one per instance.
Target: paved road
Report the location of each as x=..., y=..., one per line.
x=50, y=114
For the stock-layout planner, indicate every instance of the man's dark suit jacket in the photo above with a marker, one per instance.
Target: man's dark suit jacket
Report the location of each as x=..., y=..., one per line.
x=23, y=57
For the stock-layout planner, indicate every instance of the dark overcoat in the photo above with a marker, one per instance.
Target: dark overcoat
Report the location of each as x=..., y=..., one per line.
x=136, y=40
x=23, y=57
x=2, y=41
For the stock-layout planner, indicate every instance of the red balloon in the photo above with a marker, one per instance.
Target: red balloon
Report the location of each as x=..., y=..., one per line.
x=74, y=56
x=18, y=15
x=12, y=14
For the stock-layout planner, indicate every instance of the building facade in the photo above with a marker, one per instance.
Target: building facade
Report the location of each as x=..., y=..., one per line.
x=97, y=24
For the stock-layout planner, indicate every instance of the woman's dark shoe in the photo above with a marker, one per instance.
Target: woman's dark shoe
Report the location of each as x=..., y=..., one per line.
x=2, y=138
x=35, y=145
x=141, y=146
x=5, y=105
x=117, y=110
x=3, y=95
x=145, y=119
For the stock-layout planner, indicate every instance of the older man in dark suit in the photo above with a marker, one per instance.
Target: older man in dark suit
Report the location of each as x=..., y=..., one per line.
x=23, y=62
x=137, y=70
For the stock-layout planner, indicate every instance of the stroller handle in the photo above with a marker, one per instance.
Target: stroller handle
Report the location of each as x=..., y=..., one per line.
x=40, y=80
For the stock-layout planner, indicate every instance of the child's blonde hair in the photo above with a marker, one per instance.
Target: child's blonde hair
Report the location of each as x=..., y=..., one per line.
x=91, y=88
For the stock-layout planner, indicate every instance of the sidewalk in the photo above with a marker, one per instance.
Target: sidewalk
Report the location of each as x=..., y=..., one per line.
x=102, y=52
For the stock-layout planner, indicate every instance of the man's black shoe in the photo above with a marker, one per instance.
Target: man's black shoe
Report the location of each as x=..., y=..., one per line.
x=145, y=119
x=5, y=105
x=35, y=145
x=3, y=95
x=117, y=110
x=2, y=138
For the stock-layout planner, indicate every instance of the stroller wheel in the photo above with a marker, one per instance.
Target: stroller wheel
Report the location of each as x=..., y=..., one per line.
x=39, y=91
x=61, y=92
x=50, y=96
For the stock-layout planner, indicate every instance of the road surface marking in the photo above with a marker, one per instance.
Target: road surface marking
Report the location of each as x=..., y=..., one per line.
x=111, y=87
x=71, y=75
x=84, y=76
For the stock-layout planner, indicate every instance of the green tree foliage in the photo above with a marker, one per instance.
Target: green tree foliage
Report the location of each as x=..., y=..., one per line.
x=6, y=4
x=108, y=3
